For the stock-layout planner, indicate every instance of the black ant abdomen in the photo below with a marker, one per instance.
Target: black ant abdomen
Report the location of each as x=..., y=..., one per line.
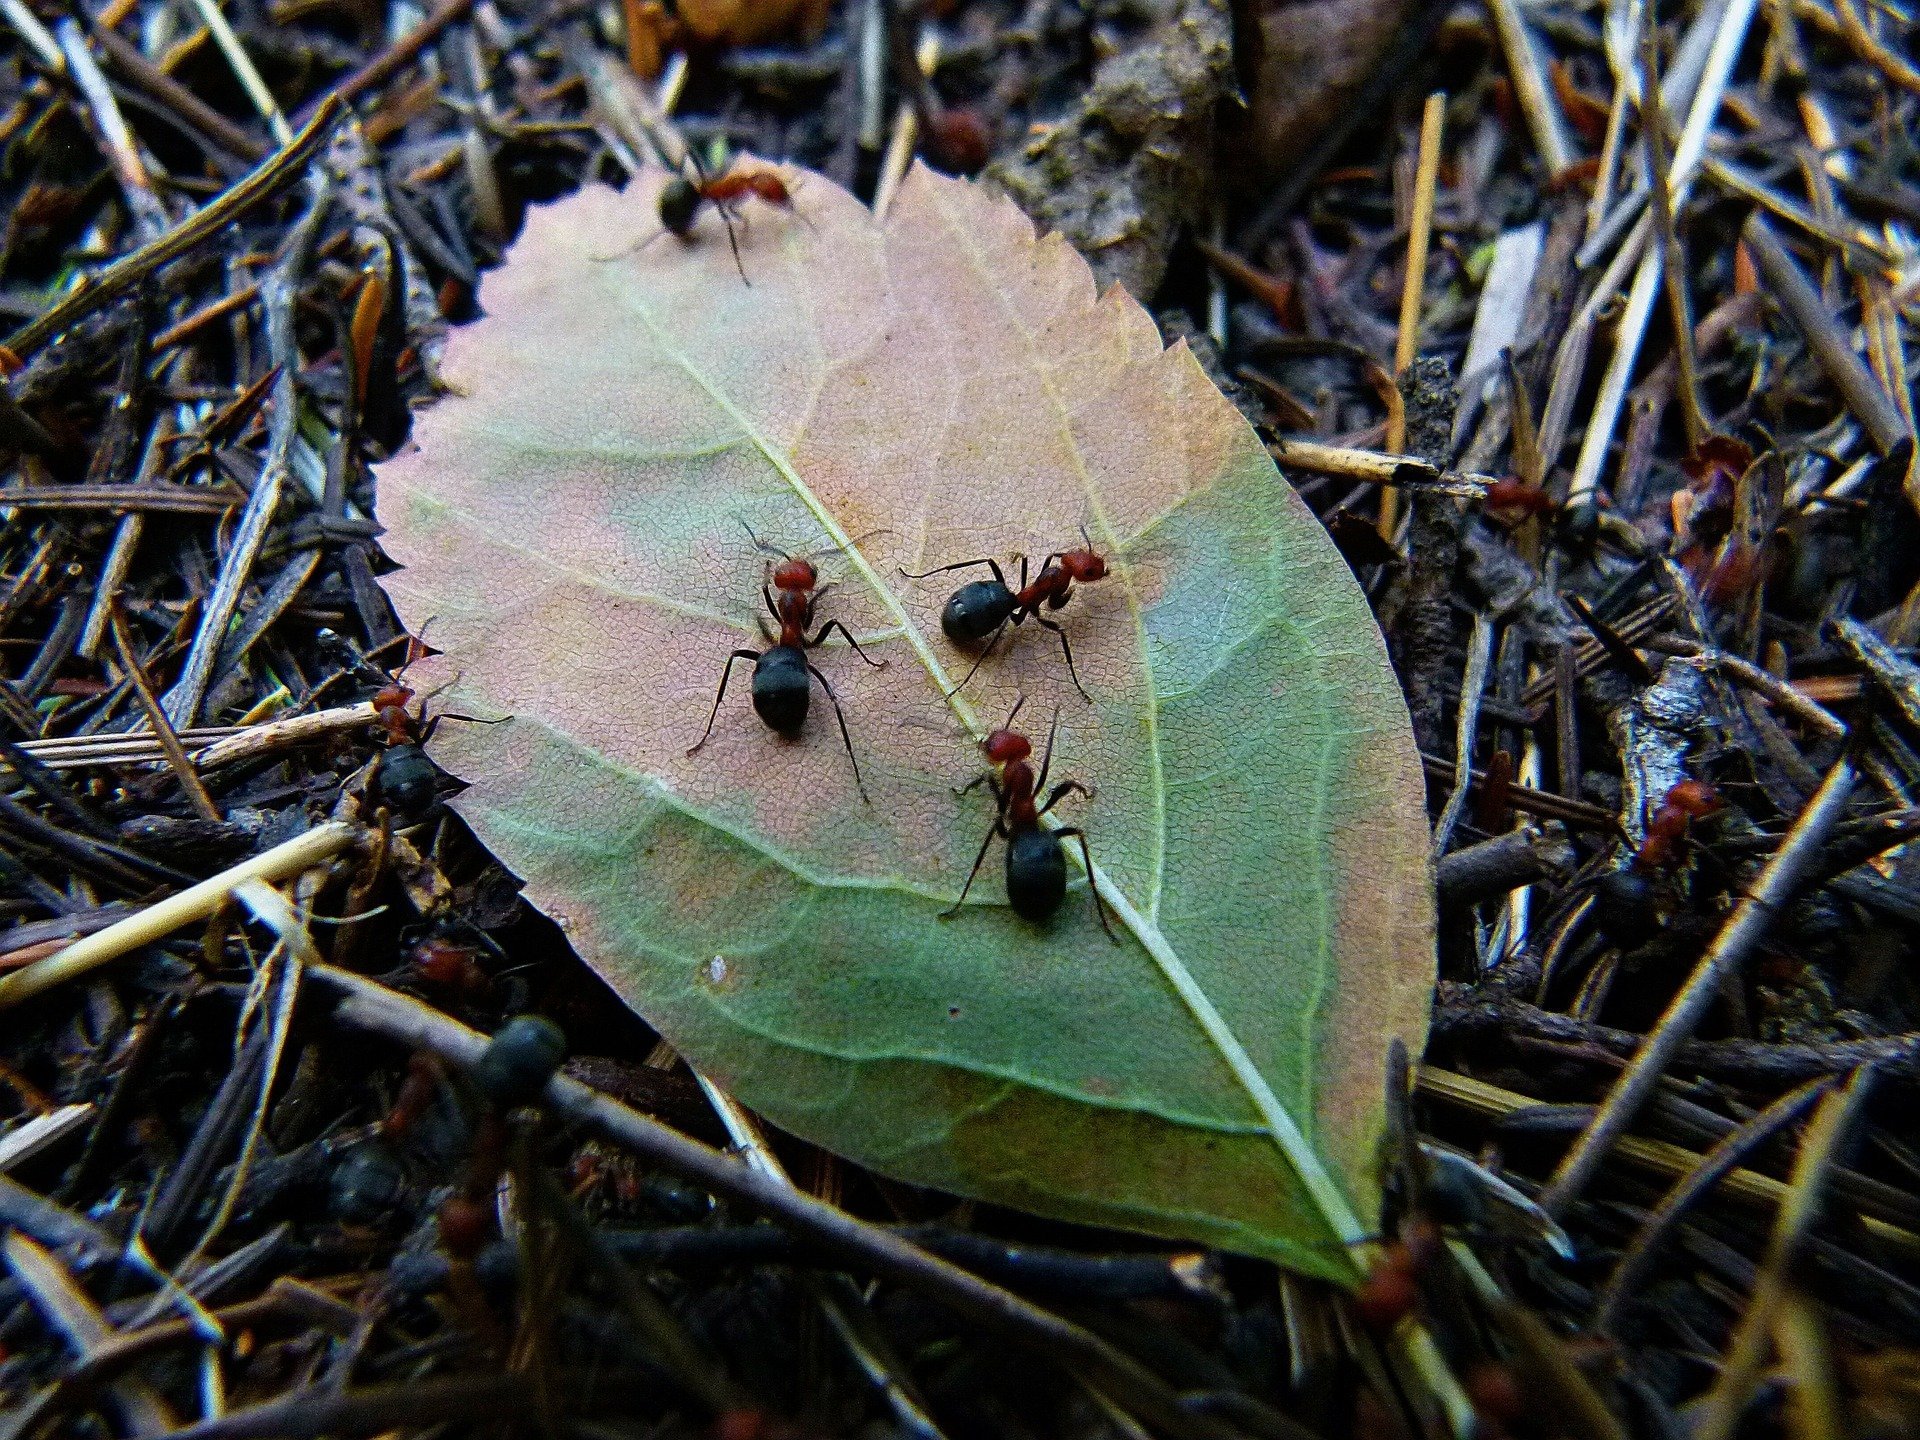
x=1036, y=874
x=782, y=688
x=976, y=610
x=680, y=202
x=407, y=778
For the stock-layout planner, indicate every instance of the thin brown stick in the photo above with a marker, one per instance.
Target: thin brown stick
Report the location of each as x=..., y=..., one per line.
x=129, y=61
x=1413, y=292
x=1673, y=274
x=1787, y=283
x=1719, y=1162
x=134, y=497
x=163, y=734
x=394, y=59
x=1376, y=467
x=1721, y=1411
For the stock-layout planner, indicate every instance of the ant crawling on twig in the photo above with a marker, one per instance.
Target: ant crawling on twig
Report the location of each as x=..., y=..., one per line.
x=681, y=199
x=983, y=609
x=781, y=691
x=1685, y=802
x=1625, y=906
x=1036, y=866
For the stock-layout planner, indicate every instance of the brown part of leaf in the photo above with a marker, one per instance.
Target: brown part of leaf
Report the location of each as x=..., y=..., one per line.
x=1133, y=162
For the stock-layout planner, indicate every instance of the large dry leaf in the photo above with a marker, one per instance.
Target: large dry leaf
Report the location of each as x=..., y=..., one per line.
x=943, y=385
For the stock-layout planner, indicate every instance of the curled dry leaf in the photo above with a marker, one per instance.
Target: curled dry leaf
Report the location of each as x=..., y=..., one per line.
x=938, y=387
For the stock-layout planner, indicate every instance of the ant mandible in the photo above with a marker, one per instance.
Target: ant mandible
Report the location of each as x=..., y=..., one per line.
x=781, y=691
x=982, y=609
x=1036, y=866
x=681, y=199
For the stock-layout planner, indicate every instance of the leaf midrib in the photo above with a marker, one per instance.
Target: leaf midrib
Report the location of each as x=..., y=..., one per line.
x=1281, y=1126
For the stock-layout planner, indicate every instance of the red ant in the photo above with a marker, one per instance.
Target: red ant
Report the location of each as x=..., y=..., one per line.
x=1686, y=802
x=1036, y=867
x=982, y=609
x=449, y=964
x=1519, y=496
x=681, y=199
x=781, y=693
x=1418, y=1205
x=1392, y=1289
x=407, y=776
x=418, y=1092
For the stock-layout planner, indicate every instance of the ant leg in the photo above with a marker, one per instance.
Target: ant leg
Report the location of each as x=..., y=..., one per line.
x=633, y=249
x=836, y=625
x=429, y=726
x=1067, y=650
x=772, y=609
x=992, y=641
x=845, y=739
x=1046, y=756
x=1061, y=791
x=1092, y=889
x=993, y=565
x=734, y=241
x=999, y=795
x=725, y=676
x=973, y=874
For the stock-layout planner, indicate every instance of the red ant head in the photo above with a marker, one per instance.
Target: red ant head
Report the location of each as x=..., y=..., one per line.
x=1388, y=1295
x=1003, y=747
x=447, y=962
x=392, y=697
x=1696, y=797
x=1083, y=565
x=791, y=574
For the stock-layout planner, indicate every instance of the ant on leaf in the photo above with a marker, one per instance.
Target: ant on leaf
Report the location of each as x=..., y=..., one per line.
x=781, y=689
x=983, y=609
x=681, y=200
x=1036, y=864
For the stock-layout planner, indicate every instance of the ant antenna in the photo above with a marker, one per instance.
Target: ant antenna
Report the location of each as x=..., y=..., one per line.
x=763, y=545
x=1016, y=710
x=1084, y=536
